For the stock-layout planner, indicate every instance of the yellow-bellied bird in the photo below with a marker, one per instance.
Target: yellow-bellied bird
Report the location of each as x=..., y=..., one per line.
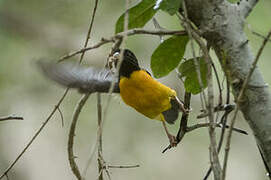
x=136, y=87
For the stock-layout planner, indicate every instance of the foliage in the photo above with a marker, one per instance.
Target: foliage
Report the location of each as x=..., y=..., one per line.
x=188, y=70
x=168, y=55
x=170, y=6
x=139, y=15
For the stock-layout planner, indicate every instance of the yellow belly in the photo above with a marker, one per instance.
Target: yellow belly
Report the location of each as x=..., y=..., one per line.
x=145, y=94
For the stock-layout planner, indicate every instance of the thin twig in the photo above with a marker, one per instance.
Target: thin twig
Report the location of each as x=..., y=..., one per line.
x=218, y=108
x=183, y=124
x=99, y=174
x=35, y=135
x=71, y=155
x=92, y=153
x=122, y=167
x=123, y=38
x=11, y=117
x=260, y=35
x=108, y=174
x=117, y=39
x=238, y=102
x=213, y=151
x=150, y=32
x=118, y=36
x=102, y=42
x=213, y=145
x=89, y=29
x=220, y=100
x=223, y=121
x=126, y=19
x=70, y=142
x=201, y=125
x=157, y=26
x=99, y=136
x=61, y=116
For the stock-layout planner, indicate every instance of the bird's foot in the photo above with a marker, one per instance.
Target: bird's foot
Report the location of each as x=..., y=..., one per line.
x=172, y=140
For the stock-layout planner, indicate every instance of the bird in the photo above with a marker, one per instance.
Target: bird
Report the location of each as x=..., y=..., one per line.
x=137, y=88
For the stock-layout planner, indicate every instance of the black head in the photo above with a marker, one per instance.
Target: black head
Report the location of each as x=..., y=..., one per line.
x=129, y=63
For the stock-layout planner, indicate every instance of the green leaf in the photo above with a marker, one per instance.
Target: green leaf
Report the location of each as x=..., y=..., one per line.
x=139, y=15
x=168, y=55
x=170, y=6
x=188, y=70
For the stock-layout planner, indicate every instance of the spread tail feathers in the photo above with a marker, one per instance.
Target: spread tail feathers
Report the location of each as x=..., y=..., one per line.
x=86, y=80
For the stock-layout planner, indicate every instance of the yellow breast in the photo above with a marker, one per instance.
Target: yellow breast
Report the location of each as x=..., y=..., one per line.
x=145, y=94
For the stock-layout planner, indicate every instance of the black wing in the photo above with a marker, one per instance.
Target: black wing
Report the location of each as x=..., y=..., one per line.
x=171, y=115
x=84, y=79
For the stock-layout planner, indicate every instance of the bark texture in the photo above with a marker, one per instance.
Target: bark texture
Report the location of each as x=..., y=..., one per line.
x=222, y=26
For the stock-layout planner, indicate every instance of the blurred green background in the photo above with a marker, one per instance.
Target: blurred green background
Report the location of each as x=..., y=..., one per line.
x=31, y=30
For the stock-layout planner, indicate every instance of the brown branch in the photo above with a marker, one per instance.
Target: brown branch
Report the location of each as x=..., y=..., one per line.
x=35, y=135
x=61, y=116
x=183, y=123
x=150, y=32
x=225, y=107
x=89, y=29
x=210, y=106
x=223, y=121
x=118, y=36
x=220, y=100
x=11, y=117
x=159, y=27
x=100, y=135
x=238, y=101
x=219, y=125
x=99, y=44
x=108, y=174
x=123, y=167
x=259, y=35
x=73, y=165
x=71, y=156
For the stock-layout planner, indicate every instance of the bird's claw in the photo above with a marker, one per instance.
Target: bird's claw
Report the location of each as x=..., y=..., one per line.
x=172, y=140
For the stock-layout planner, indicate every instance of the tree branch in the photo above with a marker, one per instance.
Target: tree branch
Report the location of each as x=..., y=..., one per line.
x=239, y=101
x=100, y=135
x=210, y=105
x=81, y=103
x=224, y=32
x=123, y=167
x=71, y=155
x=223, y=121
x=89, y=29
x=11, y=117
x=118, y=36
